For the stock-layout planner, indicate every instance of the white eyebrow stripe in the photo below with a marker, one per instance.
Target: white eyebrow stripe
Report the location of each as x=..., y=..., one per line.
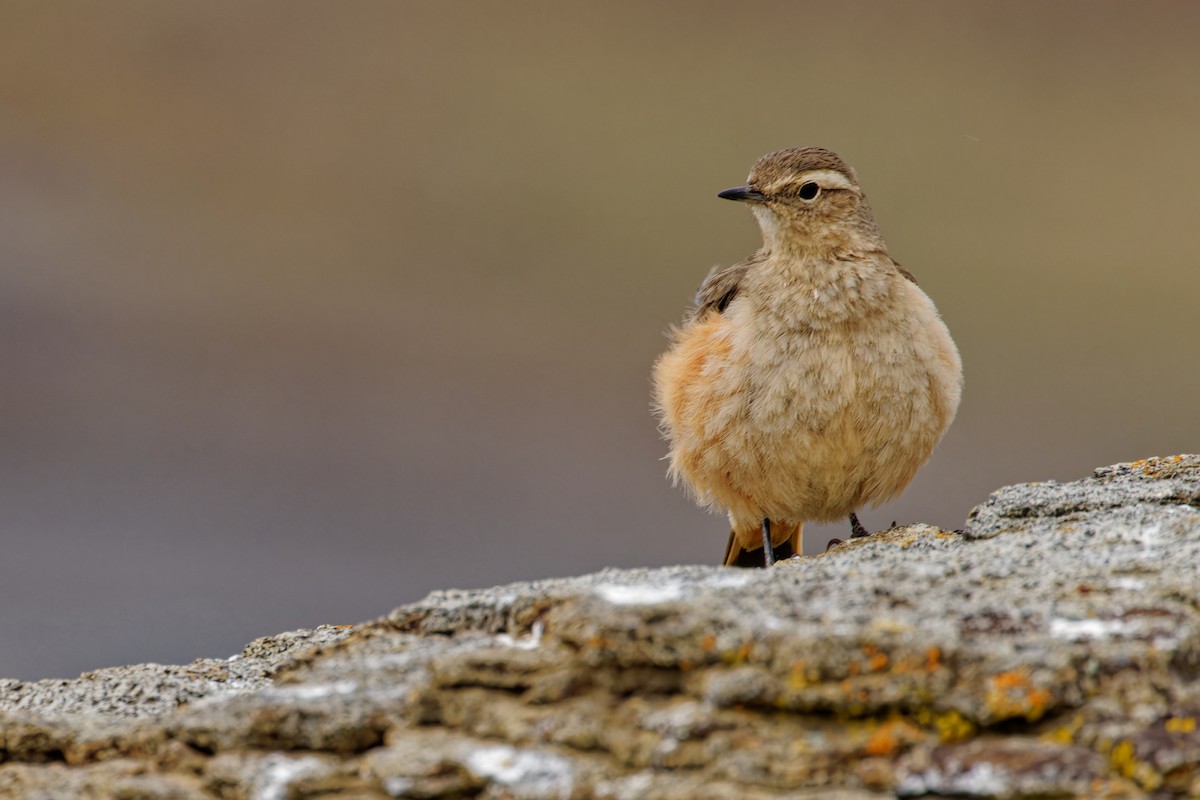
x=825, y=178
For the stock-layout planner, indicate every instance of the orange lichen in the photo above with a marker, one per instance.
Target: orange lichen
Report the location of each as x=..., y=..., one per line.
x=883, y=741
x=709, y=642
x=933, y=658
x=1010, y=680
x=1010, y=694
x=1039, y=700
x=1152, y=467
x=877, y=660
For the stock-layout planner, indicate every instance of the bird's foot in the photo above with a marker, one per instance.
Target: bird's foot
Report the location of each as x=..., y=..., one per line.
x=768, y=551
x=857, y=531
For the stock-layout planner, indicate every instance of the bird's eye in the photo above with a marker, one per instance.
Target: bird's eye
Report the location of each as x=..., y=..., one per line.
x=809, y=191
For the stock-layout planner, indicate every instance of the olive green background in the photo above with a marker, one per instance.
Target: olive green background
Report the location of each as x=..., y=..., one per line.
x=307, y=309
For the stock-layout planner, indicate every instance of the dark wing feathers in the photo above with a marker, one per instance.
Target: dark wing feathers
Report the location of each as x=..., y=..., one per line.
x=721, y=286
x=904, y=272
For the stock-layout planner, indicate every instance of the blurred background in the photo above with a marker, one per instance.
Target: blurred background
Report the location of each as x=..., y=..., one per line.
x=307, y=309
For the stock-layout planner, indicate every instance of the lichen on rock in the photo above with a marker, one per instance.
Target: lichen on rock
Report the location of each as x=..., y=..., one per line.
x=1051, y=649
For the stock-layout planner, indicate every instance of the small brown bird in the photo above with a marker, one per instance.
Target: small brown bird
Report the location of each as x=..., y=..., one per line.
x=810, y=379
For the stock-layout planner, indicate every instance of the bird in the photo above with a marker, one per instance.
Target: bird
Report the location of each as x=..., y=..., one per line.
x=811, y=379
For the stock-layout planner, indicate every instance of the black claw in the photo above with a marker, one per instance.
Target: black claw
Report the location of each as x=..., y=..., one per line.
x=857, y=531
x=832, y=544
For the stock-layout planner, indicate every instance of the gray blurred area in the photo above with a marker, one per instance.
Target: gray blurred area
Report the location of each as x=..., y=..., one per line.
x=307, y=309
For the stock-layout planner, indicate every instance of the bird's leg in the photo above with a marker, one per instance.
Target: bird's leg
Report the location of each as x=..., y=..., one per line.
x=768, y=553
x=857, y=530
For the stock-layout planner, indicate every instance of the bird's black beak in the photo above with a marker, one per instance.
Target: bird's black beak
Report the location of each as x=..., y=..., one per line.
x=745, y=194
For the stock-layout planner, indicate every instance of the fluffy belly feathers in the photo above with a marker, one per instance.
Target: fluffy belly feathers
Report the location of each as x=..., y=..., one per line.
x=803, y=426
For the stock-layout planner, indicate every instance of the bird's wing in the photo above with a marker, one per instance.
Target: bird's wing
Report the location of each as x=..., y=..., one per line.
x=903, y=271
x=721, y=286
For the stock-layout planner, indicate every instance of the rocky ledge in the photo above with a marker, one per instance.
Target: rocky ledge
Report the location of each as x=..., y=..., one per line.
x=1051, y=649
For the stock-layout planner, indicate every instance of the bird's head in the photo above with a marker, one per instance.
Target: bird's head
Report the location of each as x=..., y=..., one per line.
x=805, y=199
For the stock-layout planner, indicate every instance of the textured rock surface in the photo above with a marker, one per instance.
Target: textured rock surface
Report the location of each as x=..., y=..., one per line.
x=1051, y=650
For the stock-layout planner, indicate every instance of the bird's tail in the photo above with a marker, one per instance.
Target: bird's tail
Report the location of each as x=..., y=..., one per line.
x=787, y=538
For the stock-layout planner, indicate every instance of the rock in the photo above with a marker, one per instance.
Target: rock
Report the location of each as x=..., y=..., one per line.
x=1052, y=649
x=1003, y=767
